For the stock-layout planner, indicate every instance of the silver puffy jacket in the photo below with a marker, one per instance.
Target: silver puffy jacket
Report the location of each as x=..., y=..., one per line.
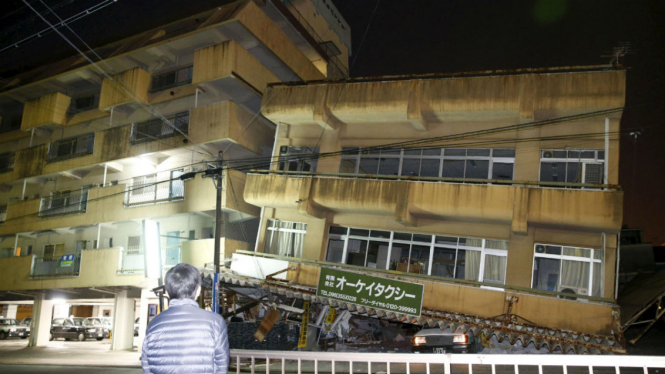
x=185, y=339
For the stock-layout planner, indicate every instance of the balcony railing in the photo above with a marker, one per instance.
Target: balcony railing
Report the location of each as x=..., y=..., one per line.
x=63, y=203
x=132, y=260
x=154, y=193
x=7, y=162
x=65, y=149
x=51, y=267
x=171, y=79
x=3, y=214
x=84, y=103
x=157, y=128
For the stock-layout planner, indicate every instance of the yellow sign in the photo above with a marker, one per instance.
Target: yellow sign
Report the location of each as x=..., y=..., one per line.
x=302, y=342
x=330, y=318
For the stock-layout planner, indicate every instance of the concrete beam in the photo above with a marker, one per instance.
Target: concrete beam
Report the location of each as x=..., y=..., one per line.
x=402, y=214
x=519, y=223
x=413, y=111
x=306, y=205
x=322, y=114
x=40, y=328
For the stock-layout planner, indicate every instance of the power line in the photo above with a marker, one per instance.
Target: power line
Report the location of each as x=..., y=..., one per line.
x=148, y=107
x=62, y=23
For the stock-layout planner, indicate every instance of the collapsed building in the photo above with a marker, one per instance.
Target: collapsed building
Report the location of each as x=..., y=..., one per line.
x=492, y=198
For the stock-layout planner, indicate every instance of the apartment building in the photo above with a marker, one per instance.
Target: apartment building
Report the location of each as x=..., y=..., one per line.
x=495, y=191
x=90, y=150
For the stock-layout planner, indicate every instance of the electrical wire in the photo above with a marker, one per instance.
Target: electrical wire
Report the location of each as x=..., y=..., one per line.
x=148, y=107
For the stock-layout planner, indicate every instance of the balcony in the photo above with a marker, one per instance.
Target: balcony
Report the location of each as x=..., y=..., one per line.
x=3, y=214
x=154, y=193
x=129, y=86
x=47, y=110
x=63, y=204
x=7, y=162
x=50, y=267
x=171, y=79
x=156, y=129
x=73, y=147
x=407, y=199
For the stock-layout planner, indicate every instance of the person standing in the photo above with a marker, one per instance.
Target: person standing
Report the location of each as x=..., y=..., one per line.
x=185, y=338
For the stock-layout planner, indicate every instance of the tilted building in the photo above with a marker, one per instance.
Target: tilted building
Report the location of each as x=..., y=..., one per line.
x=497, y=191
x=91, y=150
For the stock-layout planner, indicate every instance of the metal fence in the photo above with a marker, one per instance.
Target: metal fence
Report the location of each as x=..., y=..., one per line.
x=157, y=128
x=171, y=79
x=50, y=267
x=63, y=203
x=354, y=362
x=71, y=147
x=132, y=261
x=7, y=162
x=154, y=193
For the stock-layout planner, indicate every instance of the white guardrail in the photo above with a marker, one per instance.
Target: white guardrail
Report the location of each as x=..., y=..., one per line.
x=355, y=362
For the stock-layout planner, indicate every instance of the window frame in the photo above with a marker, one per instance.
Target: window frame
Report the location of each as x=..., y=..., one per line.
x=432, y=247
x=441, y=157
x=590, y=260
x=272, y=229
x=596, y=160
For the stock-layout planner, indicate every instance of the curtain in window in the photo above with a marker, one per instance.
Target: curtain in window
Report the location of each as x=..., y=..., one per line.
x=472, y=265
x=574, y=274
x=495, y=269
x=285, y=243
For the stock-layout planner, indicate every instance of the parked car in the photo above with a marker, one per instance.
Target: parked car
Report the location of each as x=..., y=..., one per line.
x=75, y=328
x=11, y=328
x=96, y=321
x=108, y=323
x=439, y=341
x=26, y=322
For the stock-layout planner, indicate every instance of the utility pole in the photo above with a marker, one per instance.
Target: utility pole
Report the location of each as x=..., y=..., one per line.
x=218, y=212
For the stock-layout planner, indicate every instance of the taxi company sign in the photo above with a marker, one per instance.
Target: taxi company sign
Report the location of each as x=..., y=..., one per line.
x=374, y=292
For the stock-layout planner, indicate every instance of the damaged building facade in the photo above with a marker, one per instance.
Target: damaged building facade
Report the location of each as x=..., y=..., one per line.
x=497, y=192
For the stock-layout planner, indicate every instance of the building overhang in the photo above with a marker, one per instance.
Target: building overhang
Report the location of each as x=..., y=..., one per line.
x=518, y=204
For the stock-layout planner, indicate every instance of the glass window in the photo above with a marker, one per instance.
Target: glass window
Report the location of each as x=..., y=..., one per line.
x=570, y=270
x=298, y=158
x=453, y=169
x=389, y=166
x=368, y=165
x=477, y=169
x=411, y=167
x=415, y=253
x=502, y=171
x=573, y=166
x=284, y=238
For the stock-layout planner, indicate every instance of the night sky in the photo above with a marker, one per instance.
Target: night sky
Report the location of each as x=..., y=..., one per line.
x=440, y=36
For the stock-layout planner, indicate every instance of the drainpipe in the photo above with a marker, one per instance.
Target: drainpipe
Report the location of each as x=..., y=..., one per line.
x=106, y=166
x=32, y=136
x=16, y=245
x=196, y=97
x=111, y=118
x=25, y=181
x=263, y=208
x=607, y=150
x=616, y=276
x=99, y=234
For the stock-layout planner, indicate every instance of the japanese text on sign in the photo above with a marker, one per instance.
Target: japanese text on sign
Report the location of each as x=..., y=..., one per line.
x=374, y=292
x=302, y=342
x=66, y=261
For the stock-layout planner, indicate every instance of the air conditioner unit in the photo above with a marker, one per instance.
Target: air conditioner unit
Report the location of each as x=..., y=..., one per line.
x=572, y=291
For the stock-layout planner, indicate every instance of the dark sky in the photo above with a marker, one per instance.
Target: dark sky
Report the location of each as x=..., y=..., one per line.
x=438, y=36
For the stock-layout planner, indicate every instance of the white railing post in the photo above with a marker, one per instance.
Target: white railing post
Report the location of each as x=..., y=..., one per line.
x=253, y=365
x=237, y=364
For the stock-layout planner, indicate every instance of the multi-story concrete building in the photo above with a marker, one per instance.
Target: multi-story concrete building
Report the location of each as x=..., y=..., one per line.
x=91, y=150
x=495, y=190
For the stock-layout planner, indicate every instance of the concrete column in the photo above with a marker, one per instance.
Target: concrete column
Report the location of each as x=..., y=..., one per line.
x=143, y=316
x=40, y=328
x=9, y=311
x=123, y=322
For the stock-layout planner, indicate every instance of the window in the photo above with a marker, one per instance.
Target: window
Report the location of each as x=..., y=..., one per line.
x=172, y=79
x=7, y=162
x=298, y=158
x=568, y=269
x=284, y=238
x=572, y=166
x=157, y=128
x=462, y=258
x=76, y=146
x=134, y=245
x=84, y=103
x=143, y=185
x=431, y=162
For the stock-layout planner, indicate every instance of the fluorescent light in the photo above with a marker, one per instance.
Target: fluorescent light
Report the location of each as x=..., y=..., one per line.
x=151, y=249
x=58, y=301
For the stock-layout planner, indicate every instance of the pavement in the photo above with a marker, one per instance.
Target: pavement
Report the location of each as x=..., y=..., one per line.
x=71, y=353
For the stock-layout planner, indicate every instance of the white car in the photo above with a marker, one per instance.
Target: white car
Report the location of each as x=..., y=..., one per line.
x=11, y=328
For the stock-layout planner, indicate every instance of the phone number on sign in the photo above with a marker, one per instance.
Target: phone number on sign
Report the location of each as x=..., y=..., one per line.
x=389, y=306
x=338, y=296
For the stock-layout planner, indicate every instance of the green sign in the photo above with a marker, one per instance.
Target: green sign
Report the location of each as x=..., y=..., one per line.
x=66, y=261
x=374, y=292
